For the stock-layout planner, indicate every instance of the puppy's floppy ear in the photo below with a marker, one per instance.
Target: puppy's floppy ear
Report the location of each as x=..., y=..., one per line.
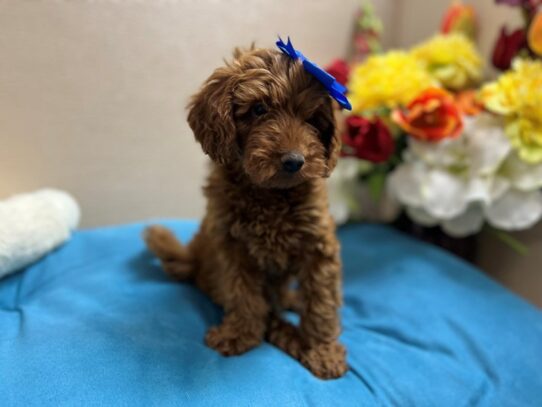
x=332, y=136
x=211, y=116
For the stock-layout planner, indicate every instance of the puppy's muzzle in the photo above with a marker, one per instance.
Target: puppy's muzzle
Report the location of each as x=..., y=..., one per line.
x=292, y=162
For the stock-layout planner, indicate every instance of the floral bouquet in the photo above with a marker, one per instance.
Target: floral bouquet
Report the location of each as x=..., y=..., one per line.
x=427, y=138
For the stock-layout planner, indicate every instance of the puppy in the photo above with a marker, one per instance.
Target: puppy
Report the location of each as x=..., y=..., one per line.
x=269, y=128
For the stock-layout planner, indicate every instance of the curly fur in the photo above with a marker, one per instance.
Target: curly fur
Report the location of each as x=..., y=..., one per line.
x=265, y=227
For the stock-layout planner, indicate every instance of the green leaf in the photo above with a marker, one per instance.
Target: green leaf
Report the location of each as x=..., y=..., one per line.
x=365, y=167
x=513, y=243
x=376, y=183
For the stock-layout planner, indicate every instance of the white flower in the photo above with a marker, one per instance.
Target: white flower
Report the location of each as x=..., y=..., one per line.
x=436, y=192
x=468, y=223
x=516, y=210
x=523, y=176
x=351, y=199
x=343, y=186
x=460, y=183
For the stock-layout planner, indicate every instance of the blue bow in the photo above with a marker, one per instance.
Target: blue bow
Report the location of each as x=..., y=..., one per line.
x=335, y=89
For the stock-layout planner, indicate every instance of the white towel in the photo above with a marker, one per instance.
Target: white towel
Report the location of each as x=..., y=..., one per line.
x=33, y=224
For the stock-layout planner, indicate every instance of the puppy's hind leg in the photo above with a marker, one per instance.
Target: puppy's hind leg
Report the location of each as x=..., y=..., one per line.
x=176, y=259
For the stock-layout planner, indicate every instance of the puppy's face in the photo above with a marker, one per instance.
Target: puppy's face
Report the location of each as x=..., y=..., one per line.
x=264, y=114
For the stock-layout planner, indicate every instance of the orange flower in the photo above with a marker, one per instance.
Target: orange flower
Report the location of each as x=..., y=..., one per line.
x=535, y=34
x=468, y=103
x=432, y=116
x=460, y=18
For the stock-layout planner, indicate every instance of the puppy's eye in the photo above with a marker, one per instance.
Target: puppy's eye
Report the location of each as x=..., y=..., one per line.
x=324, y=129
x=258, y=109
x=315, y=122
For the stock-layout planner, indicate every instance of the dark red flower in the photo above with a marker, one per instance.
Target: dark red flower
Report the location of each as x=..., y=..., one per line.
x=512, y=3
x=528, y=4
x=340, y=70
x=507, y=47
x=370, y=140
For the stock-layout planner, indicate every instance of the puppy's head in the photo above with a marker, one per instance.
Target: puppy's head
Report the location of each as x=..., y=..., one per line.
x=265, y=115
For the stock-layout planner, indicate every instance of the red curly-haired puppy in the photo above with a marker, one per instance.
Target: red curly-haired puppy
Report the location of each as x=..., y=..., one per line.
x=269, y=128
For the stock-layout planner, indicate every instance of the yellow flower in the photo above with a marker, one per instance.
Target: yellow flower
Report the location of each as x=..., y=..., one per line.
x=452, y=59
x=517, y=95
x=501, y=97
x=518, y=91
x=526, y=136
x=387, y=80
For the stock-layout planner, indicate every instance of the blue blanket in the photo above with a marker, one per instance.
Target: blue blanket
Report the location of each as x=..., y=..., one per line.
x=97, y=323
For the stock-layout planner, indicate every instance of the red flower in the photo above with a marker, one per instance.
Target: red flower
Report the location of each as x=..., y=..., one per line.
x=370, y=140
x=507, y=47
x=460, y=18
x=513, y=3
x=468, y=104
x=527, y=4
x=432, y=116
x=340, y=70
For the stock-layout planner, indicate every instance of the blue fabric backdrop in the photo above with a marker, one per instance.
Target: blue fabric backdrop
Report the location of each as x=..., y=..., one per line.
x=97, y=323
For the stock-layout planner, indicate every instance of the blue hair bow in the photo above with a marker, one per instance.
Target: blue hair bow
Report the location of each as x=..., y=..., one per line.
x=335, y=89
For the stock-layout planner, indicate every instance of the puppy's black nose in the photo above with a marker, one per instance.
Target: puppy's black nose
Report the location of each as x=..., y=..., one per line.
x=292, y=162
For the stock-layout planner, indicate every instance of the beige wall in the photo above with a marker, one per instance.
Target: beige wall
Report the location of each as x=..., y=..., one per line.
x=92, y=95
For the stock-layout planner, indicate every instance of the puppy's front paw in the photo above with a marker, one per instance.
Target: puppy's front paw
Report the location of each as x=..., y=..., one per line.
x=326, y=361
x=228, y=342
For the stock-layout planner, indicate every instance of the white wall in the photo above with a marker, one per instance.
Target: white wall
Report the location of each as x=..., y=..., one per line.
x=92, y=93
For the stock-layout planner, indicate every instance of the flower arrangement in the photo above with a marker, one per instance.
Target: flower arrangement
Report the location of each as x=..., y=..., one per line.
x=427, y=138
x=525, y=41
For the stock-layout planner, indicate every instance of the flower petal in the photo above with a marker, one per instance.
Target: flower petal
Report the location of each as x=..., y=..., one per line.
x=523, y=176
x=444, y=153
x=338, y=208
x=516, y=210
x=347, y=167
x=444, y=195
x=535, y=34
x=405, y=181
x=439, y=193
x=342, y=203
x=486, y=189
x=487, y=143
x=421, y=217
x=343, y=188
x=468, y=223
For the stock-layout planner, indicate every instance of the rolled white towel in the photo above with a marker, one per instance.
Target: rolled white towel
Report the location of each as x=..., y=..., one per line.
x=33, y=224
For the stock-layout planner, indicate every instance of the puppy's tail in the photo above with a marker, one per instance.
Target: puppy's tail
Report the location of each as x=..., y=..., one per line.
x=176, y=259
